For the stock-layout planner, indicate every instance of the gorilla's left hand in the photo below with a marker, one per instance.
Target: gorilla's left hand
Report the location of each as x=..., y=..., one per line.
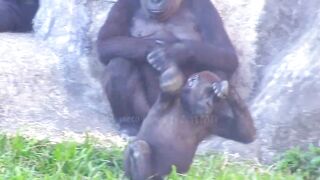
x=158, y=59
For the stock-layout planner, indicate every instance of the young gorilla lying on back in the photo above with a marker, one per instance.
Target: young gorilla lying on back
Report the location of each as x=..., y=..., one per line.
x=181, y=118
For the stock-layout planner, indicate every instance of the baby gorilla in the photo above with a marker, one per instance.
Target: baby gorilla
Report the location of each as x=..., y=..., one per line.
x=180, y=119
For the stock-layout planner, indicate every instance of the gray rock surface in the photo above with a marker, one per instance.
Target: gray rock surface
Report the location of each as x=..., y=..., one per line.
x=48, y=89
x=285, y=104
x=50, y=80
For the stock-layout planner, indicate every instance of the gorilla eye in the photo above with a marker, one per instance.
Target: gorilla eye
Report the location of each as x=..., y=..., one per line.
x=193, y=80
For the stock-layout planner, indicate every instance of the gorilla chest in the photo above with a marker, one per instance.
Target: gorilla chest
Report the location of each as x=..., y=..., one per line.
x=181, y=26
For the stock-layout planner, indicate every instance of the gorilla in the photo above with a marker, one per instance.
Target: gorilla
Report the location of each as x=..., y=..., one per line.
x=181, y=118
x=17, y=15
x=187, y=32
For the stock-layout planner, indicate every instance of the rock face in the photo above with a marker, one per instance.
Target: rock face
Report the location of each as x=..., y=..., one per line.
x=50, y=80
x=48, y=89
x=285, y=101
x=286, y=104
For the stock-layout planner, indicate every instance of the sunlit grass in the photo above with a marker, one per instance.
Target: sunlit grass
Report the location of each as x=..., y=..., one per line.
x=22, y=159
x=30, y=159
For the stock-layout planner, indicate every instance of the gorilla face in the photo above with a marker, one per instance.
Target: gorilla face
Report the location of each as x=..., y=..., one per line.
x=160, y=10
x=198, y=95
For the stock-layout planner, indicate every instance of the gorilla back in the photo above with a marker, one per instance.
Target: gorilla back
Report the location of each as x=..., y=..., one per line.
x=17, y=15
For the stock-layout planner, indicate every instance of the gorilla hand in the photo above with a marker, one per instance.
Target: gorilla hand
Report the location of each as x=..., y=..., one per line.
x=171, y=78
x=221, y=89
x=158, y=59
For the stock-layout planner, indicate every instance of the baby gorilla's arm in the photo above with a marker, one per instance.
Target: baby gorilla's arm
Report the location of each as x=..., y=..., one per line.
x=239, y=126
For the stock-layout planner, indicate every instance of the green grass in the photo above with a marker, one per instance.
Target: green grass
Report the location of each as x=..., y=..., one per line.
x=22, y=158
x=305, y=163
x=29, y=159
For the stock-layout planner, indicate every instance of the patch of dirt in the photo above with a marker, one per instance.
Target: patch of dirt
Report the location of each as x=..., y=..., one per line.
x=34, y=102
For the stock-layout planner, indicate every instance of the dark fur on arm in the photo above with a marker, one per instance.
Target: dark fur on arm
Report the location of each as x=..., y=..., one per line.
x=215, y=51
x=114, y=37
x=240, y=126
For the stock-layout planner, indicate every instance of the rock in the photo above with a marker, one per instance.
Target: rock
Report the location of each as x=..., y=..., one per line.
x=48, y=88
x=240, y=19
x=286, y=103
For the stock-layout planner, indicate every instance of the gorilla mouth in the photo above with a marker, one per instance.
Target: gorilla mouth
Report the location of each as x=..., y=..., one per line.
x=155, y=12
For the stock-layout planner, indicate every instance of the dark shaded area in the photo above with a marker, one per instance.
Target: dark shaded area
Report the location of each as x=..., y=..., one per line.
x=17, y=15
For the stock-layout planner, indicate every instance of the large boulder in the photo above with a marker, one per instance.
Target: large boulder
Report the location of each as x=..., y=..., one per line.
x=286, y=105
x=48, y=89
x=285, y=102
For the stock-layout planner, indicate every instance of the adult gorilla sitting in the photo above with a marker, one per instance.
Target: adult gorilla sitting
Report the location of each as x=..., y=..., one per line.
x=188, y=32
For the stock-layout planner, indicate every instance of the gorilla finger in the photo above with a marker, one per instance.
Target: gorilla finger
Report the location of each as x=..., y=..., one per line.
x=157, y=51
x=153, y=53
x=157, y=67
x=215, y=87
x=150, y=58
x=160, y=42
x=225, y=87
x=154, y=57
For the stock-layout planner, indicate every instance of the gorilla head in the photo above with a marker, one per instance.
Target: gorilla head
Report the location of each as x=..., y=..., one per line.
x=199, y=96
x=160, y=10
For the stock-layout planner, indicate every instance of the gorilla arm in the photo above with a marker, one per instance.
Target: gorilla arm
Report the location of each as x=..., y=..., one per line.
x=114, y=40
x=215, y=51
x=239, y=126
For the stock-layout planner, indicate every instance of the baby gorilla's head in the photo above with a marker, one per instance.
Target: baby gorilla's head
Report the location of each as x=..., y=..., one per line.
x=203, y=93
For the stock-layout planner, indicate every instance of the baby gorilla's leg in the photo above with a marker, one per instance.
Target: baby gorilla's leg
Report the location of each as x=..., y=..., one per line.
x=171, y=80
x=138, y=160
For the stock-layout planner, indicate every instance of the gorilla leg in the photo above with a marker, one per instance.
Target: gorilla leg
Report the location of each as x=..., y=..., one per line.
x=138, y=161
x=124, y=89
x=151, y=79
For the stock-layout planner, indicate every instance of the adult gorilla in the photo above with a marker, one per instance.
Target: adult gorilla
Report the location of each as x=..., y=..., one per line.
x=17, y=15
x=188, y=32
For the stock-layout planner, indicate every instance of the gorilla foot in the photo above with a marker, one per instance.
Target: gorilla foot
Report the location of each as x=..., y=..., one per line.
x=129, y=127
x=138, y=161
x=171, y=80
